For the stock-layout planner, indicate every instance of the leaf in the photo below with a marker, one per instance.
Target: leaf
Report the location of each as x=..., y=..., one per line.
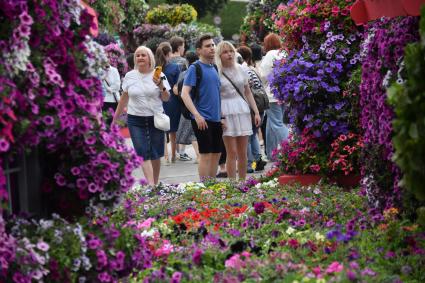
x=413, y=131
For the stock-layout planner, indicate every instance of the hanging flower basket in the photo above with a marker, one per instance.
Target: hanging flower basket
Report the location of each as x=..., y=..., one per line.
x=363, y=11
x=303, y=180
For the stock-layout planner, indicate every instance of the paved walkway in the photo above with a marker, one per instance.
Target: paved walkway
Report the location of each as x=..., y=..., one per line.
x=181, y=171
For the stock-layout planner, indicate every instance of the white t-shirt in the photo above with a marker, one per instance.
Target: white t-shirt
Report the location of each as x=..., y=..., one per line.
x=111, y=83
x=266, y=67
x=144, y=95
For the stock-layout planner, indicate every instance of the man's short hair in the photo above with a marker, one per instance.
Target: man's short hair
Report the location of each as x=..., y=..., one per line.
x=202, y=38
x=176, y=42
x=191, y=57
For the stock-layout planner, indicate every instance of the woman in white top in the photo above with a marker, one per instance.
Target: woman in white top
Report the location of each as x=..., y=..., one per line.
x=276, y=130
x=236, y=102
x=143, y=96
x=111, y=84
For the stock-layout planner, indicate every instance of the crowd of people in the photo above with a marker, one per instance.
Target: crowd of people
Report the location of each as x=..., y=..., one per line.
x=224, y=92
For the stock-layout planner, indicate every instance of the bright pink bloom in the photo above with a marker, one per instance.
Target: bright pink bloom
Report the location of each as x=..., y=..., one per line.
x=334, y=267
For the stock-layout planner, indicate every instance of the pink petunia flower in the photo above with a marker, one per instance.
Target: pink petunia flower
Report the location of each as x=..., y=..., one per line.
x=334, y=267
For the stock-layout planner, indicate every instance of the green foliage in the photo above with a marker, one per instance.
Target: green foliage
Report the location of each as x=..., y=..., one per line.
x=109, y=15
x=171, y=14
x=191, y=32
x=231, y=18
x=258, y=21
x=135, y=11
x=202, y=6
x=114, y=17
x=408, y=100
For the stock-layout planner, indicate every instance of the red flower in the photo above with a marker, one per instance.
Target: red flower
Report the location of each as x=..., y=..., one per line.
x=293, y=243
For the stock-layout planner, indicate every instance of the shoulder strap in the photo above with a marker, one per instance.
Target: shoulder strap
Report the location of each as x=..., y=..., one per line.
x=113, y=94
x=215, y=67
x=198, y=70
x=255, y=72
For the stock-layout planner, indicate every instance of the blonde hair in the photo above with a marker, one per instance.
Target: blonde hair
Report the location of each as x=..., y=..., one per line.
x=219, y=50
x=150, y=55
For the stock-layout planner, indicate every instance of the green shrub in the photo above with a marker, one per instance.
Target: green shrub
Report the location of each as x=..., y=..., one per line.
x=408, y=99
x=172, y=14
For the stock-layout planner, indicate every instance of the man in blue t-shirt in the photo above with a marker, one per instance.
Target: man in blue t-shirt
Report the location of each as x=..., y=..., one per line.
x=206, y=110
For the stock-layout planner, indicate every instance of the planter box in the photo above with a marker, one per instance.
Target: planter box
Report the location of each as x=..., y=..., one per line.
x=363, y=11
x=304, y=180
x=347, y=181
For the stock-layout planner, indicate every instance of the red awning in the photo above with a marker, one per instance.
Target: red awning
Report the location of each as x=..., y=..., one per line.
x=363, y=11
x=94, y=29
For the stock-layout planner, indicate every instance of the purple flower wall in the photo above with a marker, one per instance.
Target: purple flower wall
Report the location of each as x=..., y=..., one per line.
x=51, y=100
x=382, y=52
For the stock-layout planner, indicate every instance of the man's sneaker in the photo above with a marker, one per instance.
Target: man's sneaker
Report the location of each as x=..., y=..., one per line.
x=260, y=164
x=185, y=157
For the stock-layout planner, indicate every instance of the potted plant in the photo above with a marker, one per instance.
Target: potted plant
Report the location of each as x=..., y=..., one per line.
x=301, y=159
x=344, y=160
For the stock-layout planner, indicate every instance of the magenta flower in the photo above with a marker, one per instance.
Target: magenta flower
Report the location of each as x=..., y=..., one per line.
x=104, y=277
x=4, y=145
x=197, y=256
x=102, y=259
x=176, y=277
x=235, y=262
x=351, y=275
x=43, y=246
x=334, y=267
x=259, y=207
x=94, y=243
x=25, y=18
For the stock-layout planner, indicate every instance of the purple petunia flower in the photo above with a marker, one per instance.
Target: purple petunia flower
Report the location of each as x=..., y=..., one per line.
x=176, y=277
x=43, y=246
x=25, y=18
x=60, y=180
x=197, y=256
x=48, y=120
x=234, y=232
x=259, y=207
x=4, y=145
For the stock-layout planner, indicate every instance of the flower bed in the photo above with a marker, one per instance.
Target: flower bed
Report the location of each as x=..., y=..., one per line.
x=252, y=231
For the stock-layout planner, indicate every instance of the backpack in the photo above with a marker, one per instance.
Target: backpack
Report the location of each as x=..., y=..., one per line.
x=194, y=93
x=258, y=91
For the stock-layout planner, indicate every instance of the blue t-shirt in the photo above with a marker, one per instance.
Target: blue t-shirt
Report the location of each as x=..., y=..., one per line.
x=172, y=72
x=208, y=103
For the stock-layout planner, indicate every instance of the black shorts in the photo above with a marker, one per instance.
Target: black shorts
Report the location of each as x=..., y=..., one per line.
x=211, y=139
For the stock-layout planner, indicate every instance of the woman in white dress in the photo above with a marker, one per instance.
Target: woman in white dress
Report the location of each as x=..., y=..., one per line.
x=236, y=105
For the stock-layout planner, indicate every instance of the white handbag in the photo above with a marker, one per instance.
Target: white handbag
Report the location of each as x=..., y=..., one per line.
x=161, y=121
